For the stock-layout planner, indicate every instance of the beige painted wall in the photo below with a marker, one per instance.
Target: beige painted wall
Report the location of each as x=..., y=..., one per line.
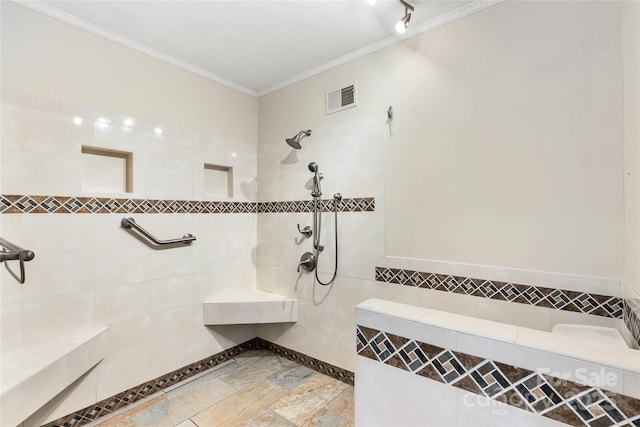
x=631, y=49
x=508, y=145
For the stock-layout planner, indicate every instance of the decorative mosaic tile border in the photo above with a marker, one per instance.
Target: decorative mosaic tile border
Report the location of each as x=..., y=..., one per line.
x=308, y=361
x=364, y=204
x=127, y=397
x=580, y=302
x=85, y=205
x=631, y=317
x=561, y=400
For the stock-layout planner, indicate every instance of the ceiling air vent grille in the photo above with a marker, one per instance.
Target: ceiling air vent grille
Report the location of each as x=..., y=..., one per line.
x=341, y=99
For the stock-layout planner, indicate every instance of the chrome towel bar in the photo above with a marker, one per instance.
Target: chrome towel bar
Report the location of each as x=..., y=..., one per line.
x=128, y=222
x=13, y=252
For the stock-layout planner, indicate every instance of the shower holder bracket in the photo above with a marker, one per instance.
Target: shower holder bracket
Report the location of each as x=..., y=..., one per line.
x=306, y=231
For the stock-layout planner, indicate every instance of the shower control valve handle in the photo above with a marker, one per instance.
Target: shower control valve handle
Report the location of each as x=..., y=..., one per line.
x=306, y=231
x=307, y=262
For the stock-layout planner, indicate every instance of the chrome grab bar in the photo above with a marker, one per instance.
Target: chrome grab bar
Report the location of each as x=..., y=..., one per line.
x=13, y=252
x=128, y=222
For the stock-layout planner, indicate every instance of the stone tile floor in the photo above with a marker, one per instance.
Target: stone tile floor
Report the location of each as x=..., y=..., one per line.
x=257, y=388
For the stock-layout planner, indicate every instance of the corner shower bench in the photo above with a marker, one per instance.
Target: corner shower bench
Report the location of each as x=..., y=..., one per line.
x=32, y=376
x=249, y=307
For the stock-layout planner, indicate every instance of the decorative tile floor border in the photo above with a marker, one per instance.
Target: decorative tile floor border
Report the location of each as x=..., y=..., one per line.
x=317, y=365
x=127, y=397
x=22, y=204
x=561, y=400
x=580, y=302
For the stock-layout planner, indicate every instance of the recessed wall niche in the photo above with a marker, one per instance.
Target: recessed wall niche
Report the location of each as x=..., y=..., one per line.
x=218, y=181
x=106, y=171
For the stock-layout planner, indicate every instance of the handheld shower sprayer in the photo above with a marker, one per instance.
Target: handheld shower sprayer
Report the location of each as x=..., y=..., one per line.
x=317, y=176
x=309, y=261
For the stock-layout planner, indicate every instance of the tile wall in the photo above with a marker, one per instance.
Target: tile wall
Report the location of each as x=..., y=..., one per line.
x=462, y=162
x=90, y=272
x=324, y=312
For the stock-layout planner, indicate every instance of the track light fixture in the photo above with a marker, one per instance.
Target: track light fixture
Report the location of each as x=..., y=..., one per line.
x=402, y=24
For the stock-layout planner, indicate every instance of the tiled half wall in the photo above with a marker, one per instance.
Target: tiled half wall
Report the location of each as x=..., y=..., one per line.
x=561, y=400
x=559, y=299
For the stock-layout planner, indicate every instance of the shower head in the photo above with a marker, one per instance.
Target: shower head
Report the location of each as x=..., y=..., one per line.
x=295, y=141
x=313, y=167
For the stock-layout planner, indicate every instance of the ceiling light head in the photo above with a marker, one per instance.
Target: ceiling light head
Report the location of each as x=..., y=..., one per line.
x=371, y=2
x=403, y=24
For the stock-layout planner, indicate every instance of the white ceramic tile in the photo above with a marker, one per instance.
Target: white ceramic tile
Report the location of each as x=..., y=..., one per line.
x=447, y=301
x=10, y=326
x=80, y=394
x=11, y=171
x=387, y=396
x=10, y=289
x=514, y=313
x=470, y=325
x=60, y=365
x=27, y=396
x=50, y=173
x=563, y=316
x=58, y=234
x=133, y=369
x=594, y=285
x=129, y=337
x=245, y=188
x=346, y=292
x=475, y=410
x=47, y=132
x=171, y=153
x=580, y=349
x=11, y=131
x=628, y=292
x=525, y=277
x=52, y=275
x=488, y=348
x=390, y=308
x=631, y=384
x=157, y=182
x=52, y=318
x=243, y=276
x=355, y=260
x=244, y=163
x=441, y=337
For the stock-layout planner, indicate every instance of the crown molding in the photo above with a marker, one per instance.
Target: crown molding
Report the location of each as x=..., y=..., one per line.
x=413, y=31
x=70, y=19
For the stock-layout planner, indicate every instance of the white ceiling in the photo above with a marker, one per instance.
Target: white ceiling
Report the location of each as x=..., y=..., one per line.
x=255, y=46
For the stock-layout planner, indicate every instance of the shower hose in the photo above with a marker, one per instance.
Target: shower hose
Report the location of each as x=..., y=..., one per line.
x=335, y=214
